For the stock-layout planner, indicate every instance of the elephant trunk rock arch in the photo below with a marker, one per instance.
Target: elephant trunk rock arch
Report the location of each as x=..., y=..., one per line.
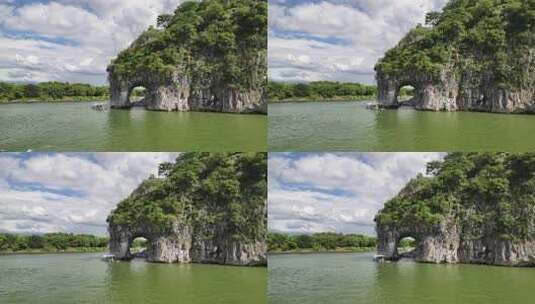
x=429, y=94
x=169, y=92
x=162, y=246
x=179, y=245
x=174, y=91
x=445, y=244
x=438, y=244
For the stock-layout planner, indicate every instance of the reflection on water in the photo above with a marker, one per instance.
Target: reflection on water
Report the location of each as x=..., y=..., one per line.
x=355, y=278
x=349, y=126
x=75, y=127
x=84, y=278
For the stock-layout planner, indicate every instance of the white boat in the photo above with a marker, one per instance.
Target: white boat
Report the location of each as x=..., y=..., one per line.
x=108, y=257
x=379, y=258
x=372, y=106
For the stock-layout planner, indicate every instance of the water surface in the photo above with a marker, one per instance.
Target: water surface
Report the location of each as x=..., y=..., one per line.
x=84, y=278
x=354, y=278
x=75, y=126
x=349, y=126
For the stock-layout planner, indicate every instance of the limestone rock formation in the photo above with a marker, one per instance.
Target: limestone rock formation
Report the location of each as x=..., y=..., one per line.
x=207, y=56
x=175, y=92
x=183, y=221
x=469, y=57
x=478, y=208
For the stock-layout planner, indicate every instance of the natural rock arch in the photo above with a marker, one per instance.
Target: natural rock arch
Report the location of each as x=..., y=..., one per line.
x=432, y=244
x=428, y=94
x=180, y=245
x=163, y=92
x=162, y=246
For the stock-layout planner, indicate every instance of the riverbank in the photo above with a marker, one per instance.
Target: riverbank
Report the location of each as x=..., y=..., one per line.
x=323, y=250
x=52, y=100
x=55, y=251
x=321, y=99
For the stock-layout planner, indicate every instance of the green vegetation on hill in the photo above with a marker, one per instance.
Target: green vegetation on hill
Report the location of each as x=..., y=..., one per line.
x=319, y=90
x=476, y=35
x=212, y=192
x=224, y=40
x=51, y=242
x=487, y=194
x=51, y=91
x=326, y=241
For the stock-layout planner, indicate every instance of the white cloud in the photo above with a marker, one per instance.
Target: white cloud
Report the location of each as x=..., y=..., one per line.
x=74, y=39
x=342, y=39
x=68, y=192
x=336, y=192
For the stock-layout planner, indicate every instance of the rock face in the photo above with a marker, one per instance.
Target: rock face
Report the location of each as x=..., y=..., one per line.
x=179, y=245
x=172, y=246
x=476, y=209
x=444, y=244
x=459, y=90
x=472, y=56
x=175, y=92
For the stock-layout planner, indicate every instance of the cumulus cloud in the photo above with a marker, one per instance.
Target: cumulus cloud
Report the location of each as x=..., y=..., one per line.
x=341, y=40
x=336, y=192
x=70, y=40
x=68, y=192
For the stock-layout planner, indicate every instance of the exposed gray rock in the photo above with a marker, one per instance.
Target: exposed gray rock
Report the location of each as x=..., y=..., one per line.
x=445, y=244
x=180, y=245
x=162, y=246
x=461, y=89
x=175, y=92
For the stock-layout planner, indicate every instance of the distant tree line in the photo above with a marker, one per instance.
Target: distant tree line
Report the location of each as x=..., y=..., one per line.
x=47, y=91
x=318, y=241
x=319, y=90
x=50, y=241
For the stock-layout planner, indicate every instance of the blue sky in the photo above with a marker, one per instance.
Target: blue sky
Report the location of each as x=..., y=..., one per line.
x=337, y=39
x=68, y=192
x=336, y=192
x=70, y=40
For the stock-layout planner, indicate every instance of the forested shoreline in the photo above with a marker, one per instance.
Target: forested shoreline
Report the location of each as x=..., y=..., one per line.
x=319, y=242
x=319, y=91
x=324, y=91
x=51, y=91
x=51, y=243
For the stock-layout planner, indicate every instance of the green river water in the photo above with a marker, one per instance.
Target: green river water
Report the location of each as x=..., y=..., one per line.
x=354, y=278
x=84, y=278
x=76, y=127
x=349, y=126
